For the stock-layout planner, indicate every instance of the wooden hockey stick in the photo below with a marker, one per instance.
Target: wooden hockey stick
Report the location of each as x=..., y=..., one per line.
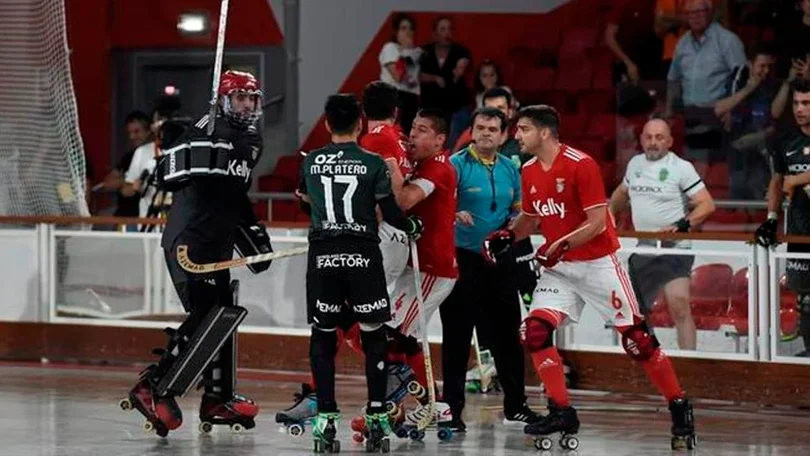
x=197, y=268
x=484, y=378
x=430, y=416
x=556, y=244
x=212, y=110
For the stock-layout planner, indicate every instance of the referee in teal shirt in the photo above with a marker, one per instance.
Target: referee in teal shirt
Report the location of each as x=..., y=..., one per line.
x=488, y=197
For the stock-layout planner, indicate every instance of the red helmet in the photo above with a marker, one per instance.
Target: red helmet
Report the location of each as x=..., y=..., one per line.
x=238, y=81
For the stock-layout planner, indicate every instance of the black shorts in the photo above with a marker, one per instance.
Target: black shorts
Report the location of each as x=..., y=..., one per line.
x=650, y=273
x=798, y=271
x=198, y=292
x=346, y=283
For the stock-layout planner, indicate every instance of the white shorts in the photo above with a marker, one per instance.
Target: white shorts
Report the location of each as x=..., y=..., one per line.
x=405, y=308
x=395, y=253
x=602, y=283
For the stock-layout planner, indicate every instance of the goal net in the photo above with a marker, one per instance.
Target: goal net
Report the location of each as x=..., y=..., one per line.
x=42, y=166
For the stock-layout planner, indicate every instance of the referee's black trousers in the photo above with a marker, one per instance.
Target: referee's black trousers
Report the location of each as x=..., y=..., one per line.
x=493, y=291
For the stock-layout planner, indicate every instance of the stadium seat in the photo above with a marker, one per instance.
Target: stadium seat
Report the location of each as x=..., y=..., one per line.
x=572, y=125
x=659, y=314
x=288, y=166
x=285, y=211
x=787, y=297
x=788, y=322
x=602, y=59
x=602, y=125
x=597, y=101
x=574, y=76
x=717, y=176
x=274, y=183
x=678, y=128
x=260, y=209
x=559, y=100
x=739, y=294
x=576, y=41
x=710, y=289
x=530, y=82
x=591, y=145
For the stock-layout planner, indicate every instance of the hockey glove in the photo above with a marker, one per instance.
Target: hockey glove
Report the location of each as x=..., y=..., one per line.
x=414, y=227
x=252, y=240
x=549, y=259
x=766, y=233
x=496, y=243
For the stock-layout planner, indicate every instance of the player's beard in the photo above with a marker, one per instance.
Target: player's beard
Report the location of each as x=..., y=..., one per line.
x=654, y=154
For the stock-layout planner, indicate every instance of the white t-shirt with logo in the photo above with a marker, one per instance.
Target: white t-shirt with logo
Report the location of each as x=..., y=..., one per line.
x=660, y=190
x=143, y=159
x=392, y=53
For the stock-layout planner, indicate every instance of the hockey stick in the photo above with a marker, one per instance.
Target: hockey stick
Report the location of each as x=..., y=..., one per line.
x=430, y=416
x=202, y=268
x=484, y=378
x=568, y=236
x=212, y=110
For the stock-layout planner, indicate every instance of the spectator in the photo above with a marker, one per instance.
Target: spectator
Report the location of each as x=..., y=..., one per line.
x=799, y=69
x=630, y=35
x=793, y=36
x=752, y=89
x=704, y=59
x=669, y=27
x=501, y=99
x=138, y=132
x=399, y=66
x=487, y=77
x=443, y=67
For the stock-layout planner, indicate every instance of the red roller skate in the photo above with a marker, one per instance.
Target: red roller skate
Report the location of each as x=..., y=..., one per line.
x=237, y=413
x=162, y=413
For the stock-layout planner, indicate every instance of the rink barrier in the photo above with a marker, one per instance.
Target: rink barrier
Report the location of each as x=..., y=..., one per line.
x=769, y=378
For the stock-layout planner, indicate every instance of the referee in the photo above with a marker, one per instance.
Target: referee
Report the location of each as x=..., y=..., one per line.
x=658, y=185
x=488, y=196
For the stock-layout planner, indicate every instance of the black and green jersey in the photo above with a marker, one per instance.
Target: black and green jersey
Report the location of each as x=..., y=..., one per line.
x=511, y=149
x=344, y=184
x=790, y=153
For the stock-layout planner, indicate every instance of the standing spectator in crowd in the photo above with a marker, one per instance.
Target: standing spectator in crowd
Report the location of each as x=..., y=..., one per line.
x=399, y=66
x=669, y=27
x=704, y=58
x=793, y=35
x=630, y=35
x=443, y=67
x=799, y=69
x=657, y=186
x=139, y=133
x=488, y=197
x=751, y=91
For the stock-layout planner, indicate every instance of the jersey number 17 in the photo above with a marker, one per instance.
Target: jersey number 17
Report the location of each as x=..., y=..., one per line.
x=328, y=193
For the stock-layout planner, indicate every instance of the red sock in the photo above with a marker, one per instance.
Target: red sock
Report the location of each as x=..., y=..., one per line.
x=417, y=363
x=661, y=373
x=549, y=367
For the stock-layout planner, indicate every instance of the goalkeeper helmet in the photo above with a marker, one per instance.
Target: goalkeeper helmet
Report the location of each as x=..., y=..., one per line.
x=246, y=108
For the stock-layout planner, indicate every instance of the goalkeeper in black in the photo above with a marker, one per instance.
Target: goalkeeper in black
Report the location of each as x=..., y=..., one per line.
x=790, y=154
x=211, y=215
x=341, y=187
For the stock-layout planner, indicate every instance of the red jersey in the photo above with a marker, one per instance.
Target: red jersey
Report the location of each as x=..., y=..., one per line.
x=437, y=245
x=560, y=197
x=388, y=142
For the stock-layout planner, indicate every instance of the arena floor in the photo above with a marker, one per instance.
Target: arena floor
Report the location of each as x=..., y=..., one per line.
x=72, y=410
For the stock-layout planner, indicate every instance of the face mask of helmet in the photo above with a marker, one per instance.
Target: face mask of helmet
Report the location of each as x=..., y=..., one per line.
x=242, y=120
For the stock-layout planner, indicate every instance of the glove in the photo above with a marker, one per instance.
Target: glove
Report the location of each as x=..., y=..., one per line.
x=683, y=225
x=766, y=233
x=252, y=240
x=414, y=227
x=497, y=243
x=549, y=259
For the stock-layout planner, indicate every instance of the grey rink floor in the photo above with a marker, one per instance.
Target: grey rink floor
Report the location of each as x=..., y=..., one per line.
x=73, y=410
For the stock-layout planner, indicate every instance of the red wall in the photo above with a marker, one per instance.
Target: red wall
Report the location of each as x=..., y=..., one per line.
x=97, y=26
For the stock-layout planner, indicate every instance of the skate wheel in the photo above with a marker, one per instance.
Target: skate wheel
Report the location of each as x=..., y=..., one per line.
x=237, y=428
x=691, y=442
x=385, y=446
x=318, y=447
x=296, y=430
x=391, y=408
x=370, y=447
x=125, y=404
x=445, y=434
x=205, y=427
x=148, y=426
x=334, y=447
x=401, y=432
x=416, y=435
x=543, y=444
x=569, y=443
x=415, y=389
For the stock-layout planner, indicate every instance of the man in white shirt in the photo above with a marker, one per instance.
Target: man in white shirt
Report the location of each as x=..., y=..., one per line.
x=139, y=174
x=660, y=187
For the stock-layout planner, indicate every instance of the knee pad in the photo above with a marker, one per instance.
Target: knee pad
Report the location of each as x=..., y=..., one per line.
x=401, y=344
x=638, y=342
x=536, y=334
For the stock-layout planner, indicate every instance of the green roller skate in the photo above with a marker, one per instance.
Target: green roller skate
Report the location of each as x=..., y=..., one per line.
x=379, y=428
x=324, y=431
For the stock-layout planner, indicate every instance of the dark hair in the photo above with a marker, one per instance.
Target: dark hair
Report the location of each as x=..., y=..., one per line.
x=800, y=85
x=542, y=116
x=380, y=101
x=479, y=87
x=342, y=112
x=497, y=92
x=436, y=117
x=764, y=48
x=396, y=21
x=138, y=116
x=439, y=19
x=168, y=106
x=490, y=113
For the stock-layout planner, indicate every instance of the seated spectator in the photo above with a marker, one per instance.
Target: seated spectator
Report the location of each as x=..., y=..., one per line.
x=138, y=132
x=487, y=77
x=399, y=66
x=751, y=91
x=704, y=59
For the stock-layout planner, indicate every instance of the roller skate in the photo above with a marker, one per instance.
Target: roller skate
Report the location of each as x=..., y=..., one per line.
x=683, y=425
x=378, y=427
x=401, y=383
x=162, y=413
x=237, y=413
x=442, y=421
x=295, y=418
x=561, y=420
x=474, y=381
x=324, y=431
